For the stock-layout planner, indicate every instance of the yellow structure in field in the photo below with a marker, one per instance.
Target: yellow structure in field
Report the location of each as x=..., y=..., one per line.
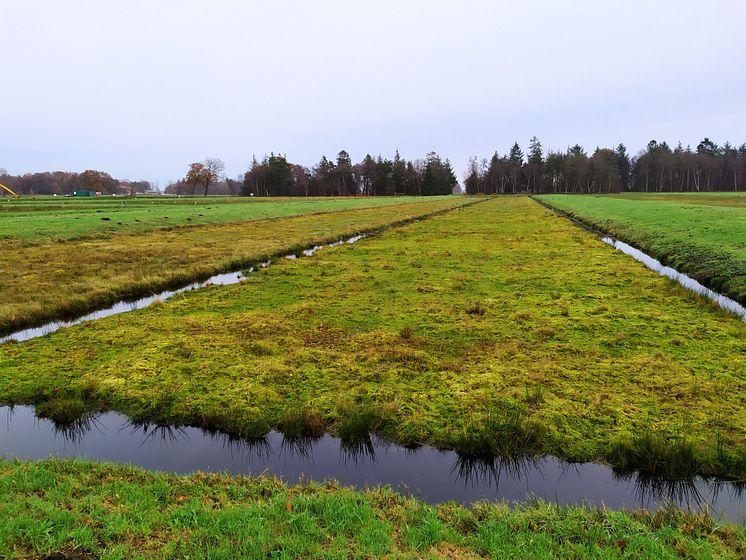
x=7, y=189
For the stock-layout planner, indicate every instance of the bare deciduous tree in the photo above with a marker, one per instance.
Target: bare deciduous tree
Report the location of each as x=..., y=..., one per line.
x=213, y=170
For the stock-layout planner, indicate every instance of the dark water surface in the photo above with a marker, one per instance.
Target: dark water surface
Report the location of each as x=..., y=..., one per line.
x=432, y=475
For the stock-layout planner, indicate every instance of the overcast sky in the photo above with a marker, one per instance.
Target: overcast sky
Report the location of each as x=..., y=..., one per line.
x=142, y=88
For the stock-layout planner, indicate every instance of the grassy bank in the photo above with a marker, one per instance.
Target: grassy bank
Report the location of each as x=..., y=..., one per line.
x=56, y=279
x=80, y=510
x=500, y=328
x=703, y=235
x=28, y=221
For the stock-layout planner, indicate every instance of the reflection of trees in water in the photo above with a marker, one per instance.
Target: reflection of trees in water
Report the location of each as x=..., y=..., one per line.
x=482, y=471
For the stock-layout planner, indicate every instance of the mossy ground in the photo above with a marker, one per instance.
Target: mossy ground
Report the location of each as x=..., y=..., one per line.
x=80, y=510
x=46, y=280
x=701, y=234
x=576, y=349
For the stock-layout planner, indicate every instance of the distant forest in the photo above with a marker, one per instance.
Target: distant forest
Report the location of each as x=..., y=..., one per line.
x=657, y=168
x=275, y=176
x=65, y=182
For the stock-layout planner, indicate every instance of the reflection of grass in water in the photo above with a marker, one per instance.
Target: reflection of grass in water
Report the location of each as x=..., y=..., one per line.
x=168, y=435
x=259, y=449
x=76, y=430
x=358, y=450
x=478, y=471
x=736, y=489
x=244, y=449
x=71, y=418
x=682, y=493
x=301, y=448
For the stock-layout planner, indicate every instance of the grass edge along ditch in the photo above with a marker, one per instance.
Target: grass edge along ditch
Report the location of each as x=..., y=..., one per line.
x=77, y=509
x=711, y=265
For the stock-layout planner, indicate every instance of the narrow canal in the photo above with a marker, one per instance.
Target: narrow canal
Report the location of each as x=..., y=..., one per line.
x=435, y=476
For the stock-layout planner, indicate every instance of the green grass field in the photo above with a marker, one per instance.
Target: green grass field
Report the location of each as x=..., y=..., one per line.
x=703, y=235
x=52, y=279
x=499, y=328
x=31, y=220
x=78, y=510
x=706, y=198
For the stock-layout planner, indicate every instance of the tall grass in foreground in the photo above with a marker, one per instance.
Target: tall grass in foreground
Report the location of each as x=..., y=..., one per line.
x=80, y=510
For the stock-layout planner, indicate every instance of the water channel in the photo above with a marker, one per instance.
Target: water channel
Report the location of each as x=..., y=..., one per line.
x=127, y=306
x=433, y=475
x=686, y=281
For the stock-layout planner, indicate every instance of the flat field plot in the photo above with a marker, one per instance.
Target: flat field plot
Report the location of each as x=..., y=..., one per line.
x=701, y=234
x=32, y=220
x=50, y=279
x=496, y=328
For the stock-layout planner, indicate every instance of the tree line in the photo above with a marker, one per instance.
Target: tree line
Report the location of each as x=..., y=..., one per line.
x=380, y=176
x=66, y=182
x=657, y=168
x=274, y=175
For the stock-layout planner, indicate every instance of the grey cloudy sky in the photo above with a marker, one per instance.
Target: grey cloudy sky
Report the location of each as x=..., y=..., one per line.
x=142, y=88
